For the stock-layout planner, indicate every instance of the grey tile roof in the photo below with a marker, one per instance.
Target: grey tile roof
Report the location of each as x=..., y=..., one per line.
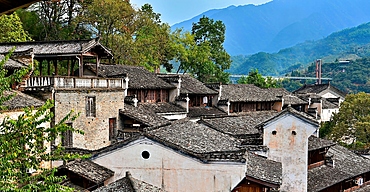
x=247, y=93
x=260, y=168
x=12, y=64
x=129, y=184
x=326, y=104
x=304, y=116
x=318, y=88
x=69, y=184
x=205, y=111
x=42, y=48
x=189, y=85
x=145, y=113
x=21, y=100
x=293, y=100
x=346, y=166
x=289, y=98
x=365, y=188
x=315, y=143
x=195, y=137
x=89, y=170
x=240, y=125
x=139, y=77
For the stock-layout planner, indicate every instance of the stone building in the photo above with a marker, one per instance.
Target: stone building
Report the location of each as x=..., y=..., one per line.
x=98, y=100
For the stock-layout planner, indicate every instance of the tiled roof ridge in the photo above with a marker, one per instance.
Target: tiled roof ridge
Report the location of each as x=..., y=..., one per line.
x=290, y=109
x=204, y=157
x=78, y=161
x=50, y=41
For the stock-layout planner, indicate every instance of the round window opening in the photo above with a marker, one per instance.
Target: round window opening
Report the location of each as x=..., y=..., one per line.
x=274, y=132
x=294, y=133
x=145, y=154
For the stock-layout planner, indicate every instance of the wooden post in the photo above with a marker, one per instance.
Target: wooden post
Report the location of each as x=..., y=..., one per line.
x=80, y=66
x=55, y=62
x=97, y=65
x=69, y=68
x=48, y=67
x=73, y=66
x=40, y=67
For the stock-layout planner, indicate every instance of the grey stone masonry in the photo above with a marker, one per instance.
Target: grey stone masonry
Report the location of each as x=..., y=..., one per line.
x=98, y=110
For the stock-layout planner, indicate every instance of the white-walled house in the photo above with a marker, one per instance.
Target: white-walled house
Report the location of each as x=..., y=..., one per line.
x=286, y=135
x=184, y=156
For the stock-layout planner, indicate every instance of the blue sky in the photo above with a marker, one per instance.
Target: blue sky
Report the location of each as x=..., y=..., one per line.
x=175, y=11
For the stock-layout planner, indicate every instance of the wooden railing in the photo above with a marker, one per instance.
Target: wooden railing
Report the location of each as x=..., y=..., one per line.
x=74, y=82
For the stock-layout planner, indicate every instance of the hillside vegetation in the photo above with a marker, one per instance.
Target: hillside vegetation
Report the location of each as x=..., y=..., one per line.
x=350, y=77
x=348, y=44
x=283, y=23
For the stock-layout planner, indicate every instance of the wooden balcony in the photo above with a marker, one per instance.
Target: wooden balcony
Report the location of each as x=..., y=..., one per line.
x=75, y=82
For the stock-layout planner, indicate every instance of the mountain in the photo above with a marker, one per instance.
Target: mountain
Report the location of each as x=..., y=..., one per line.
x=348, y=44
x=283, y=23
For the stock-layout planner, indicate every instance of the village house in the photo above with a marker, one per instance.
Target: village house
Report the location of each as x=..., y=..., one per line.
x=323, y=100
x=240, y=98
x=198, y=99
x=98, y=100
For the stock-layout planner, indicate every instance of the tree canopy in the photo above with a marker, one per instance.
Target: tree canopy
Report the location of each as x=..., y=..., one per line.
x=351, y=125
x=11, y=29
x=211, y=35
x=258, y=80
x=25, y=143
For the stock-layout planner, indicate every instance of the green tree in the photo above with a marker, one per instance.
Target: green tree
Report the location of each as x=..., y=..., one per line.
x=54, y=20
x=351, y=125
x=208, y=32
x=24, y=144
x=136, y=36
x=258, y=80
x=11, y=29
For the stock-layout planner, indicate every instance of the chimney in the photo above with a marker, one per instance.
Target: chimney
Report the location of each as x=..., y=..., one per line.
x=318, y=71
x=135, y=100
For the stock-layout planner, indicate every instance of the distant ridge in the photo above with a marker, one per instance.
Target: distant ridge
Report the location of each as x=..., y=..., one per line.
x=283, y=23
x=348, y=44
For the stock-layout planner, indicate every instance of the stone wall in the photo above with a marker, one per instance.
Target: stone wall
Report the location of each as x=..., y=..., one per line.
x=96, y=129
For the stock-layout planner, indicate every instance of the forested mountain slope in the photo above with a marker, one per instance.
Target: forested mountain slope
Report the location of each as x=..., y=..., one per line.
x=283, y=23
x=348, y=44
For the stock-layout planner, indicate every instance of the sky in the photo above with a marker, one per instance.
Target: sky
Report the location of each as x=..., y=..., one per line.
x=175, y=11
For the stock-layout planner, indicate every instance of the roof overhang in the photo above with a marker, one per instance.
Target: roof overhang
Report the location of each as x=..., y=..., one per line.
x=9, y=6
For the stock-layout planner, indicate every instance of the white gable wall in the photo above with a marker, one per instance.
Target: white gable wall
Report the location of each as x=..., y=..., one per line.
x=289, y=149
x=328, y=113
x=171, y=170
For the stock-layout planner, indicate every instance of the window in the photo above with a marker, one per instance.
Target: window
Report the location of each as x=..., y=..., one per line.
x=90, y=106
x=112, y=128
x=67, y=137
x=145, y=154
